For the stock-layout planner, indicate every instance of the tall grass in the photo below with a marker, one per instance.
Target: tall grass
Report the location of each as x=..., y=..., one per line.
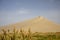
x=21, y=35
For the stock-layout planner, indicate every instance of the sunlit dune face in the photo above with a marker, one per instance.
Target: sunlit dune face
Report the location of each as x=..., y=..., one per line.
x=38, y=24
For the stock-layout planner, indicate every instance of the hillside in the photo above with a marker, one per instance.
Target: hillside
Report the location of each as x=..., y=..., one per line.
x=38, y=24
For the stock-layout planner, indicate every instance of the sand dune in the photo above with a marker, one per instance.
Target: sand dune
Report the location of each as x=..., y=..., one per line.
x=38, y=24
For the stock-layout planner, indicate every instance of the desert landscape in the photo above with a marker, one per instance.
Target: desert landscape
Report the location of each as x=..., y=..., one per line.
x=37, y=24
x=29, y=19
x=38, y=28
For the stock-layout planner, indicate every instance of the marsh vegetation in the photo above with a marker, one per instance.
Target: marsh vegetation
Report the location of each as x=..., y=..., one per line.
x=21, y=35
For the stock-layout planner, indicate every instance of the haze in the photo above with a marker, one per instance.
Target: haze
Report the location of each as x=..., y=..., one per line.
x=12, y=11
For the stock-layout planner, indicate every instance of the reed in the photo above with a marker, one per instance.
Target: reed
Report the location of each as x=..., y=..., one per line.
x=20, y=35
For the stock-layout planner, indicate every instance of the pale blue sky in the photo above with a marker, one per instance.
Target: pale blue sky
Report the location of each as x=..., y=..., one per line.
x=12, y=11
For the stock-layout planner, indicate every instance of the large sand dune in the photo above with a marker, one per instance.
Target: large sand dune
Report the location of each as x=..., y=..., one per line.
x=38, y=24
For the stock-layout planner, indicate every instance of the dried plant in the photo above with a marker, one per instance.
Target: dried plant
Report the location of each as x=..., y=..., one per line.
x=21, y=35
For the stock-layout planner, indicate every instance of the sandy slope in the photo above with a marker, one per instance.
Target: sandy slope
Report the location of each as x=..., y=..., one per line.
x=38, y=24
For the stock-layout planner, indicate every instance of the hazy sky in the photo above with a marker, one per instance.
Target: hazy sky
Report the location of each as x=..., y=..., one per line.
x=12, y=11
